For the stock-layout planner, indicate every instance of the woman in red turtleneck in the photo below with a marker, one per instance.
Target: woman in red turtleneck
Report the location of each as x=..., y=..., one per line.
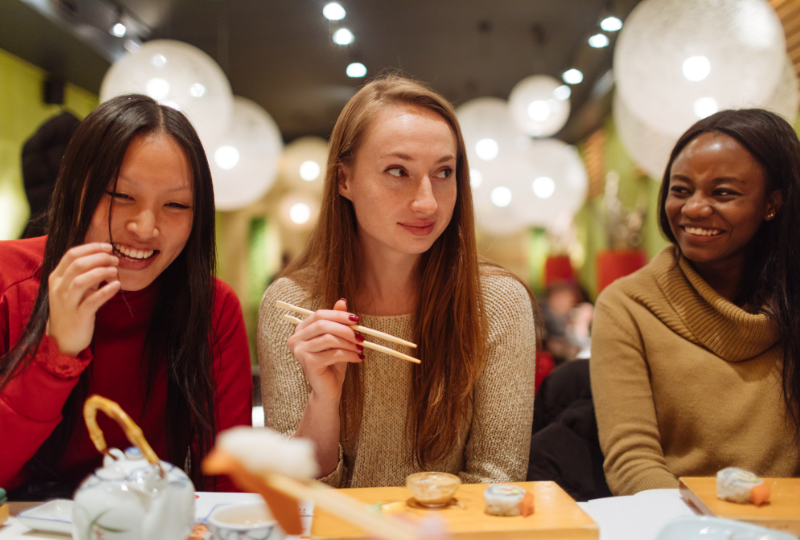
x=119, y=300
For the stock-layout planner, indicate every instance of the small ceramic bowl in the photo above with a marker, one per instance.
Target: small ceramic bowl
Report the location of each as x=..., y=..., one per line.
x=433, y=488
x=251, y=521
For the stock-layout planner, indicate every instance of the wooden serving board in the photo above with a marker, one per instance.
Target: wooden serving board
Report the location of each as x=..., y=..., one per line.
x=556, y=514
x=781, y=513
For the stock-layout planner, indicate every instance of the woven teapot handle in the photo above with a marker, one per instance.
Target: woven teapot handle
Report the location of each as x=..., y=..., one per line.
x=115, y=412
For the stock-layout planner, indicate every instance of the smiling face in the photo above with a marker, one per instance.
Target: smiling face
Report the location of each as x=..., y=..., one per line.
x=403, y=181
x=717, y=200
x=152, y=216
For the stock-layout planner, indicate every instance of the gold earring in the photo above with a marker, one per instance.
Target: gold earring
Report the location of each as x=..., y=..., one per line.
x=770, y=216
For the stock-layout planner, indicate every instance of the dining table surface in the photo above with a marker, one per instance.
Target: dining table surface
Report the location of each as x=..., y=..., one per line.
x=636, y=517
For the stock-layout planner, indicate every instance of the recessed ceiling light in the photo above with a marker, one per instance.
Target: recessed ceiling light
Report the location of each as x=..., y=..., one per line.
x=356, y=70
x=598, y=41
x=572, y=76
x=334, y=11
x=343, y=36
x=611, y=24
x=118, y=30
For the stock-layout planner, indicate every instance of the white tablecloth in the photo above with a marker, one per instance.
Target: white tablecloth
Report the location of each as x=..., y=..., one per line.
x=638, y=517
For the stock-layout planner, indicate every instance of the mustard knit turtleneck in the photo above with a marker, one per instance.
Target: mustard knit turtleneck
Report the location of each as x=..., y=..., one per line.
x=685, y=383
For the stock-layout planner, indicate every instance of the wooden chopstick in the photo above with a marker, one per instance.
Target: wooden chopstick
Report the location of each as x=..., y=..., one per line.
x=356, y=327
x=367, y=344
x=342, y=506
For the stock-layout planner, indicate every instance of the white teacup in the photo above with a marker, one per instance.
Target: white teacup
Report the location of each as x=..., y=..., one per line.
x=252, y=521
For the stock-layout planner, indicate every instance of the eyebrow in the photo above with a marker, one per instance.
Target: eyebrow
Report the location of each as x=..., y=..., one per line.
x=406, y=157
x=135, y=183
x=717, y=180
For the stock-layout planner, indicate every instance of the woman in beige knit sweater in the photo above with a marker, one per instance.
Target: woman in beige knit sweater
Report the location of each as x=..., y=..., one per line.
x=395, y=251
x=694, y=357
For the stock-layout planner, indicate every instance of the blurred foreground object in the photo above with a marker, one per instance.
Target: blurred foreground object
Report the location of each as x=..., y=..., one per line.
x=281, y=470
x=134, y=494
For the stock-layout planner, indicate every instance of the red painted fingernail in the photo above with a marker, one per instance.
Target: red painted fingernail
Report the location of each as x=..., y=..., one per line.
x=354, y=318
x=360, y=347
x=359, y=337
x=342, y=299
x=361, y=356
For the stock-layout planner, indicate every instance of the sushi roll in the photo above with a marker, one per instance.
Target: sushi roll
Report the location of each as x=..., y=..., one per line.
x=507, y=500
x=740, y=486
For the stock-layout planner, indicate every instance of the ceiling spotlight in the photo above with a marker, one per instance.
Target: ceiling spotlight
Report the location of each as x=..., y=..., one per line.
x=562, y=92
x=611, y=24
x=343, y=36
x=333, y=11
x=572, y=76
x=356, y=70
x=118, y=30
x=598, y=41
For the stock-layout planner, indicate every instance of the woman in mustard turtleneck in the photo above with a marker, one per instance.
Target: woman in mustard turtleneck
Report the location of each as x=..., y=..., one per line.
x=694, y=357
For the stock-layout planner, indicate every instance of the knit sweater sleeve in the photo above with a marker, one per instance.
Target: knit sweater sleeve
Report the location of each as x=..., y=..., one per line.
x=623, y=399
x=284, y=389
x=499, y=439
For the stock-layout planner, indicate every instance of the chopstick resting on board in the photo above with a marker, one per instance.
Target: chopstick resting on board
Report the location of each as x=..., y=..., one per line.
x=356, y=327
x=367, y=344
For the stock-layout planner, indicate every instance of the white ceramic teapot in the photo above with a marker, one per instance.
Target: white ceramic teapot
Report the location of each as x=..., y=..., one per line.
x=134, y=496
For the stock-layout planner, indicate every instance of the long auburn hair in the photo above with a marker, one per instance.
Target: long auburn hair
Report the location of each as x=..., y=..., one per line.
x=450, y=321
x=771, y=281
x=180, y=334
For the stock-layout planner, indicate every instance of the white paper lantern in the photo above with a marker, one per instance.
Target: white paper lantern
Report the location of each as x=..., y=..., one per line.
x=647, y=147
x=303, y=164
x=679, y=60
x=650, y=148
x=539, y=106
x=298, y=211
x=553, y=183
x=178, y=75
x=244, y=161
x=489, y=132
x=786, y=98
x=497, y=195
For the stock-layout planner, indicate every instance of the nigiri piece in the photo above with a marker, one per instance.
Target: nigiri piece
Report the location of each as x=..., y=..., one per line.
x=739, y=486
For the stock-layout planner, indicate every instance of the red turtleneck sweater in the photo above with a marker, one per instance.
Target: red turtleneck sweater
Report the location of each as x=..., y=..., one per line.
x=30, y=406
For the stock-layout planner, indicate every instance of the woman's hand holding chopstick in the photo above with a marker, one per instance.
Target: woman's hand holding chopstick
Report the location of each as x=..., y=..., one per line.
x=324, y=343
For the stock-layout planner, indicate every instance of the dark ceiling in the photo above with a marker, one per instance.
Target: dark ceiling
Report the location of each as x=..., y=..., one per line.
x=279, y=53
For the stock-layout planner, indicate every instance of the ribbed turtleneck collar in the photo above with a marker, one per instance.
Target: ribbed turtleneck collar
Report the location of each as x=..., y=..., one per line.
x=725, y=329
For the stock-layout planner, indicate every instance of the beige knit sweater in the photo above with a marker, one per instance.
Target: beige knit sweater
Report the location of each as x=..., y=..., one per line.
x=493, y=449
x=685, y=383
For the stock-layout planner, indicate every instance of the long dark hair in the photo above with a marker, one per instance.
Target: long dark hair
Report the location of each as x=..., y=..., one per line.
x=180, y=334
x=771, y=283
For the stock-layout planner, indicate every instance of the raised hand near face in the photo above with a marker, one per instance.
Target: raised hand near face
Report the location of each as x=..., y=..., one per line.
x=84, y=280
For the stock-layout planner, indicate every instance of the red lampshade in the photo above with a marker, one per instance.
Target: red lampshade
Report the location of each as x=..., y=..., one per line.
x=613, y=264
